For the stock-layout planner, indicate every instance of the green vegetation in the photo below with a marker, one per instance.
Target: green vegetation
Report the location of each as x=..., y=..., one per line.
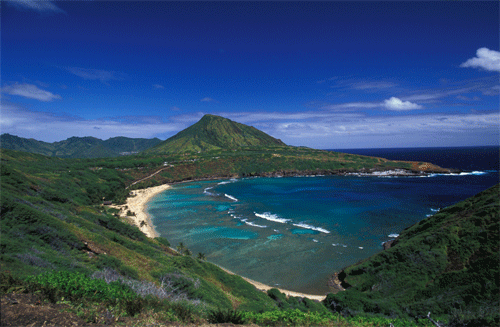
x=300, y=318
x=215, y=133
x=78, y=147
x=59, y=242
x=446, y=264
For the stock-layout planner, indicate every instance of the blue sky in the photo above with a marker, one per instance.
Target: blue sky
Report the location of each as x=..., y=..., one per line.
x=319, y=74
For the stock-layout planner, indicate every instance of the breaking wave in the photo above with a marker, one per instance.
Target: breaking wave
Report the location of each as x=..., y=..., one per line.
x=253, y=224
x=271, y=217
x=231, y=197
x=207, y=192
x=475, y=172
x=319, y=229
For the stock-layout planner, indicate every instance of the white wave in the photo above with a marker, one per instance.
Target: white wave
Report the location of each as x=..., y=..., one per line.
x=393, y=235
x=232, y=180
x=205, y=191
x=315, y=241
x=338, y=244
x=475, y=173
x=319, y=229
x=271, y=217
x=253, y=224
x=231, y=197
x=360, y=247
x=435, y=210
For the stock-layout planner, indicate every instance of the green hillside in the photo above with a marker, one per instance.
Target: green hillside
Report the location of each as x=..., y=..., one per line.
x=447, y=264
x=79, y=147
x=215, y=133
x=53, y=222
x=60, y=242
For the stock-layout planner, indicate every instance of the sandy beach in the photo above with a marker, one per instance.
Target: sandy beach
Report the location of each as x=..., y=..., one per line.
x=137, y=203
x=264, y=287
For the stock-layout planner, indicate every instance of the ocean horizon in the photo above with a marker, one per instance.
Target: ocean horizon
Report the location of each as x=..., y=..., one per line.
x=295, y=232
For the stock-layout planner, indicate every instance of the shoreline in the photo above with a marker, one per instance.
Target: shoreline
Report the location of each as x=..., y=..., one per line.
x=264, y=287
x=137, y=203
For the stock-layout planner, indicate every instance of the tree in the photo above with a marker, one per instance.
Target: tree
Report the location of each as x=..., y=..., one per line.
x=181, y=248
x=201, y=256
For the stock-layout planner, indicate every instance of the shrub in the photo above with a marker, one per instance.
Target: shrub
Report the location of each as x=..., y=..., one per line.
x=77, y=286
x=106, y=261
x=220, y=316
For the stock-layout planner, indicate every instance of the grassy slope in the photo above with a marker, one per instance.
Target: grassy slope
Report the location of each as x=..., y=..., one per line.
x=50, y=208
x=214, y=133
x=48, y=213
x=449, y=260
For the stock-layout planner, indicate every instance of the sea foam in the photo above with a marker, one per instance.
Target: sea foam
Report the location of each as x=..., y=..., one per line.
x=232, y=180
x=253, y=224
x=475, y=173
x=231, y=197
x=206, y=191
x=271, y=217
x=319, y=229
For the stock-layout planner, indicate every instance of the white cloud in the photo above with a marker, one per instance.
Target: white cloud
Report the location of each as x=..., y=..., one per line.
x=372, y=85
x=37, y=5
x=390, y=104
x=50, y=127
x=30, y=91
x=494, y=90
x=464, y=98
x=396, y=104
x=95, y=74
x=158, y=86
x=268, y=118
x=207, y=99
x=392, y=131
x=433, y=95
x=352, y=106
x=486, y=59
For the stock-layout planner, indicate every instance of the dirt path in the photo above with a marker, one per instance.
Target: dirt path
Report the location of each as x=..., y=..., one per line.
x=143, y=179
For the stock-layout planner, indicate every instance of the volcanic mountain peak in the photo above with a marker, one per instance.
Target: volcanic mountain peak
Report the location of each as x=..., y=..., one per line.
x=214, y=132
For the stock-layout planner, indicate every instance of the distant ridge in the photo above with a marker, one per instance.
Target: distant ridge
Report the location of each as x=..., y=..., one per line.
x=214, y=133
x=79, y=147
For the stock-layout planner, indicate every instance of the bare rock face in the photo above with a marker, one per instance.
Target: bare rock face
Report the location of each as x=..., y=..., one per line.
x=388, y=244
x=335, y=284
x=92, y=249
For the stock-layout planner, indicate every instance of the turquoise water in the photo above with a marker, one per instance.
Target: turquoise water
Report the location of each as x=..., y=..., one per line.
x=295, y=232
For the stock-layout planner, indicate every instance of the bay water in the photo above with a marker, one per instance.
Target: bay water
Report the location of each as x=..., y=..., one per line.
x=295, y=232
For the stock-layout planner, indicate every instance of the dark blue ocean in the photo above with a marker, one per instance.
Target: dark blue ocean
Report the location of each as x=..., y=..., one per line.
x=295, y=232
